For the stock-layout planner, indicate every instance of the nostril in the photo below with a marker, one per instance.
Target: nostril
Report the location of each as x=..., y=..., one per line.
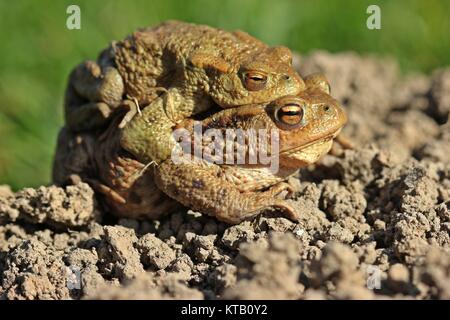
x=327, y=108
x=286, y=77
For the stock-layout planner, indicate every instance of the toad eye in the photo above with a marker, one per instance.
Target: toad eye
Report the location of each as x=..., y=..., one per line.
x=289, y=116
x=255, y=81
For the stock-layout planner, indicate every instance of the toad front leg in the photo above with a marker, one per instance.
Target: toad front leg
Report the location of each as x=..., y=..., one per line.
x=148, y=134
x=199, y=186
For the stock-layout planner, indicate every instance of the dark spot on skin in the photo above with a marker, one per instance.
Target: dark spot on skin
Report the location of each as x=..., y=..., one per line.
x=198, y=184
x=223, y=193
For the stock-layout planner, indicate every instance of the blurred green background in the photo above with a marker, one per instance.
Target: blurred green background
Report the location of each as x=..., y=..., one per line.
x=38, y=51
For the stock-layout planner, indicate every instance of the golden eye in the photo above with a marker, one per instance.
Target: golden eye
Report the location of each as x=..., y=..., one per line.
x=289, y=116
x=255, y=81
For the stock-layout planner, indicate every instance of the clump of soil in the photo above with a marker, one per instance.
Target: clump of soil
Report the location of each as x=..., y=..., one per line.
x=375, y=220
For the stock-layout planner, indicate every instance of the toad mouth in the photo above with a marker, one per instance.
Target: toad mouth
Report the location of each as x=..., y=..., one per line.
x=321, y=141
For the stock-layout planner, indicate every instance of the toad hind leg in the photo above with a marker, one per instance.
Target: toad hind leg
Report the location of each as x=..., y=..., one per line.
x=92, y=93
x=199, y=186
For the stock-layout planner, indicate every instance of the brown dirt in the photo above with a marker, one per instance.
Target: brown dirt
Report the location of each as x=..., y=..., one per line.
x=378, y=212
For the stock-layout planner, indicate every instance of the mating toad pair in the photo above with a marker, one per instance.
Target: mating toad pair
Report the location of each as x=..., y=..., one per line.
x=121, y=112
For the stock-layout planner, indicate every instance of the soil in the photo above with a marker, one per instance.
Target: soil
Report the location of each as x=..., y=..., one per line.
x=376, y=219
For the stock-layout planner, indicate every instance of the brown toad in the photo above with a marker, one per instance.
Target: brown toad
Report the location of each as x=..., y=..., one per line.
x=188, y=67
x=306, y=125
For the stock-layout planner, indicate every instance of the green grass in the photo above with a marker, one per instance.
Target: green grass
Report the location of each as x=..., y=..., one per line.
x=38, y=52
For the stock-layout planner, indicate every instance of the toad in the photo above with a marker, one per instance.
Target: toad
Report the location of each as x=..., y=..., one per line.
x=306, y=125
x=173, y=71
